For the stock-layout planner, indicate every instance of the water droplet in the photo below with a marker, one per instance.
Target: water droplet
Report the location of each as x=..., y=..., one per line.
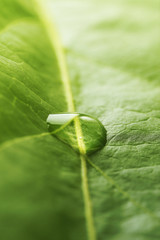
x=64, y=127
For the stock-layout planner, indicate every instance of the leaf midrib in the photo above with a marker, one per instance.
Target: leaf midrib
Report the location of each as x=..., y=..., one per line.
x=57, y=47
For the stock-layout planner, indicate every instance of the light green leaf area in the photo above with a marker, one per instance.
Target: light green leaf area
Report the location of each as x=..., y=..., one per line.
x=113, y=53
x=113, y=57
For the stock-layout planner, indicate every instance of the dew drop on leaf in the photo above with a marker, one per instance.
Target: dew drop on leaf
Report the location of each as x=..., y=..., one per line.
x=63, y=126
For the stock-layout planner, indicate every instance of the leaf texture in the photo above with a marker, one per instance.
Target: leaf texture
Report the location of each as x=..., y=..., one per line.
x=113, y=50
x=40, y=187
x=113, y=55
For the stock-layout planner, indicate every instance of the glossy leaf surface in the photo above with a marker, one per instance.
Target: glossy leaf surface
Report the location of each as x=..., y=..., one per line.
x=113, y=58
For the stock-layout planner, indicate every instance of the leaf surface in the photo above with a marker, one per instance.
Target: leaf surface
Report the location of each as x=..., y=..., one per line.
x=113, y=54
x=40, y=186
x=113, y=58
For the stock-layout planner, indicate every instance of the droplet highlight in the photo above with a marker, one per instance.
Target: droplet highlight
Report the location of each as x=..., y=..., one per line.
x=63, y=126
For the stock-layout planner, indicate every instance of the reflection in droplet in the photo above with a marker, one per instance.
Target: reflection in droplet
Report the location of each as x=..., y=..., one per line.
x=63, y=127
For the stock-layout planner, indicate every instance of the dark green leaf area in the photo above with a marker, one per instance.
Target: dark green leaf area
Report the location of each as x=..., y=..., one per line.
x=28, y=68
x=39, y=193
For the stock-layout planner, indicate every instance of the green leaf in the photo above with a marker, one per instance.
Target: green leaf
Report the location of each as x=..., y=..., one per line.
x=40, y=186
x=114, y=65
x=113, y=58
